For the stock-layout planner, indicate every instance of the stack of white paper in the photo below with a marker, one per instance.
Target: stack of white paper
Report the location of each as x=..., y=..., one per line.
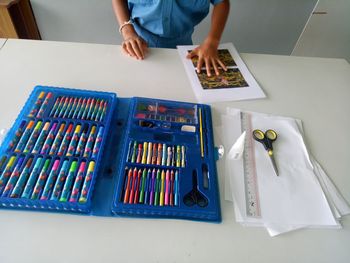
x=301, y=196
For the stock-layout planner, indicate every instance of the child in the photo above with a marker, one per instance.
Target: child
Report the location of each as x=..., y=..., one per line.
x=168, y=23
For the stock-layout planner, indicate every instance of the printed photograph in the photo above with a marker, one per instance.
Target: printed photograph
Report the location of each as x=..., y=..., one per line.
x=224, y=56
x=232, y=78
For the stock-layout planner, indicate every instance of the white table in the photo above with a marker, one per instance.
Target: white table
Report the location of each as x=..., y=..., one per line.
x=2, y=42
x=313, y=89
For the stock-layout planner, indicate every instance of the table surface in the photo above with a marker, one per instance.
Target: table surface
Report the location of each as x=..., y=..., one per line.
x=315, y=90
x=2, y=42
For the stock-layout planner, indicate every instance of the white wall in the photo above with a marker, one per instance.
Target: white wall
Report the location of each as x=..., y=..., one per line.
x=261, y=26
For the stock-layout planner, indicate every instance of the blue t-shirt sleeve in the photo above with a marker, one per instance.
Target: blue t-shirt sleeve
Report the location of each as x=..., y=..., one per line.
x=214, y=2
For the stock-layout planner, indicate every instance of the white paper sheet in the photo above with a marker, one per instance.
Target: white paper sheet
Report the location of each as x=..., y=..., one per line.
x=227, y=92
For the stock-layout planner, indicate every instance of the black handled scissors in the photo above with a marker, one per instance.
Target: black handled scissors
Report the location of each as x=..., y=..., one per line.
x=195, y=196
x=266, y=139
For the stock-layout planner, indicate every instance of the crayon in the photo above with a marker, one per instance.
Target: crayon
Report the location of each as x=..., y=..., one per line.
x=44, y=105
x=67, y=109
x=57, y=189
x=55, y=106
x=74, y=141
x=157, y=188
x=129, y=154
x=87, y=183
x=81, y=109
x=91, y=109
x=17, y=190
x=72, y=109
x=95, y=110
x=100, y=111
x=22, y=142
x=139, y=154
x=143, y=186
x=49, y=139
x=41, y=139
x=37, y=105
x=82, y=141
x=77, y=109
x=133, y=187
x=56, y=143
x=77, y=183
x=98, y=143
x=173, y=162
x=32, y=179
x=159, y=156
x=7, y=181
x=17, y=136
x=178, y=156
x=167, y=187
x=33, y=137
x=162, y=189
x=64, y=107
x=69, y=182
x=104, y=111
x=60, y=105
x=183, y=156
x=171, y=192
x=86, y=109
x=16, y=175
x=152, y=187
x=144, y=154
x=149, y=153
x=147, y=186
x=90, y=142
x=154, y=153
x=176, y=189
x=66, y=140
x=50, y=181
x=168, y=161
x=2, y=161
x=7, y=172
x=164, y=154
x=137, y=188
x=128, y=186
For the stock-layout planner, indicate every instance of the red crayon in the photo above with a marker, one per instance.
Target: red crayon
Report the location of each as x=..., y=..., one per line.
x=133, y=187
x=137, y=190
x=128, y=187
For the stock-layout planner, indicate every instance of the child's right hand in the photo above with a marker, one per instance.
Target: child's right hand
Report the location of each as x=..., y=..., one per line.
x=133, y=45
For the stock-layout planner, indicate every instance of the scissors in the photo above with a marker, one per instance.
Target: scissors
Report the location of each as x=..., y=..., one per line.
x=267, y=139
x=195, y=196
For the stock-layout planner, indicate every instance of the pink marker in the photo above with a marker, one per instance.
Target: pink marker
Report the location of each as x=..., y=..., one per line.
x=167, y=188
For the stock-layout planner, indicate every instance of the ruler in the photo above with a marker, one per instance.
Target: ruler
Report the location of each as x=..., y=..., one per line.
x=249, y=168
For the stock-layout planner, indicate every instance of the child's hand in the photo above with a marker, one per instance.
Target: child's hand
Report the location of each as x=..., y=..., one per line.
x=133, y=45
x=207, y=53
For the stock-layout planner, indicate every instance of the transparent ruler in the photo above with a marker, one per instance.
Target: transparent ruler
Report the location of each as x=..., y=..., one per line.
x=249, y=166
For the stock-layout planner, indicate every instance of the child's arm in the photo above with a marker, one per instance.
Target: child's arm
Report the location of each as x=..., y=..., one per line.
x=133, y=44
x=207, y=52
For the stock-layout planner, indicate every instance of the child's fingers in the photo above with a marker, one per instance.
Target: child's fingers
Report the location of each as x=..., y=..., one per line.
x=136, y=50
x=215, y=66
x=130, y=49
x=207, y=66
x=199, y=64
x=222, y=64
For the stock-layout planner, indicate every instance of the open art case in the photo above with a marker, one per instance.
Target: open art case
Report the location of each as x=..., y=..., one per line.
x=92, y=153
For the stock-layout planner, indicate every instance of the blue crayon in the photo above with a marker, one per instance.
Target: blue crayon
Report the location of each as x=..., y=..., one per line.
x=10, y=177
x=66, y=140
x=98, y=143
x=57, y=141
x=82, y=141
x=77, y=183
x=50, y=181
x=71, y=111
x=22, y=142
x=82, y=109
x=91, y=109
x=176, y=189
x=49, y=139
x=33, y=137
x=77, y=109
x=40, y=183
x=164, y=155
x=60, y=106
x=41, y=139
x=31, y=180
x=19, y=185
x=60, y=181
x=87, y=183
x=55, y=106
x=74, y=142
x=69, y=106
x=69, y=182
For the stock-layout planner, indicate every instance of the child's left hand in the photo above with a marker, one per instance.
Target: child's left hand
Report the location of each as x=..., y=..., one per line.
x=207, y=54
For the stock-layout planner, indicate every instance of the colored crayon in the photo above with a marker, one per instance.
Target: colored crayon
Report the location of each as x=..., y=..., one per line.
x=72, y=109
x=129, y=154
x=9, y=179
x=32, y=178
x=100, y=111
x=154, y=153
x=18, y=187
x=157, y=188
x=49, y=139
x=66, y=140
x=67, y=109
x=91, y=109
x=56, y=143
x=133, y=187
x=159, y=156
x=82, y=109
x=44, y=105
x=144, y=154
x=173, y=161
x=40, y=183
x=152, y=187
x=168, y=161
x=176, y=189
x=90, y=142
x=22, y=142
x=60, y=105
x=17, y=136
x=139, y=154
x=86, y=109
x=74, y=141
x=162, y=189
x=95, y=110
x=164, y=154
x=7, y=172
x=64, y=107
x=77, y=183
x=98, y=143
x=33, y=137
x=87, y=183
x=128, y=186
x=69, y=182
x=2, y=161
x=41, y=139
x=57, y=189
x=149, y=153
x=183, y=156
x=104, y=111
x=50, y=181
x=147, y=186
x=137, y=188
x=171, y=194
x=82, y=141
x=167, y=187
x=178, y=156
x=77, y=109
x=37, y=105
x=143, y=186
x=55, y=106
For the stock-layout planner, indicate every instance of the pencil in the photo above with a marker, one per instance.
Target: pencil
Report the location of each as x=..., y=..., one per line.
x=201, y=131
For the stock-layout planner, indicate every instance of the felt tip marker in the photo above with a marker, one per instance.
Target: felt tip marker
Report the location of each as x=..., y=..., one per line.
x=31, y=180
x=78, y=182
x=69, y=182
x=87, y=183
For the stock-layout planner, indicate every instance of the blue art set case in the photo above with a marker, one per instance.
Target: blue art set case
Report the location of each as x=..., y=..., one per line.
x=92, y=153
